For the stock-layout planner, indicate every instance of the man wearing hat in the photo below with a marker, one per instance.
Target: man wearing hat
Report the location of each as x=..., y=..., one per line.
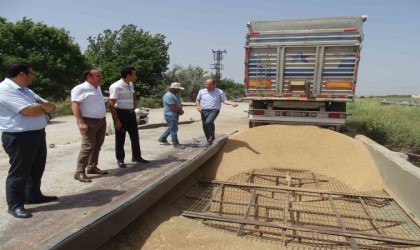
x=172, y=110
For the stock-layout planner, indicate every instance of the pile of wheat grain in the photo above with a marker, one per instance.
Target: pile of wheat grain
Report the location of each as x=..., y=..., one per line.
x=294, y=147
x=297, y=147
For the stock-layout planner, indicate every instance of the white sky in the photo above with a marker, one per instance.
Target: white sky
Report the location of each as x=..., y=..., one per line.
x=390, y=59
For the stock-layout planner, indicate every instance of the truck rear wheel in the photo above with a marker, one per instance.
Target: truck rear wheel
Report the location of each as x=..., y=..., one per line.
x=254, y=104
x=257, y=124
x=337, y=107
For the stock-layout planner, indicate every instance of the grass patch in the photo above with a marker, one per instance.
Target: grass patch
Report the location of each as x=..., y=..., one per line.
x=395, y=126
x=149, y=103
x=63, y=108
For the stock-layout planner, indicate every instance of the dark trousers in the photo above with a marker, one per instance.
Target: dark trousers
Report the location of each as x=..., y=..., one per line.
x=27, y=156
x=91, y=144
x=129, y=124
x=208, y=116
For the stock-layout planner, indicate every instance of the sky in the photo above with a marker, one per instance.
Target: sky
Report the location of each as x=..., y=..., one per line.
x=390, y=56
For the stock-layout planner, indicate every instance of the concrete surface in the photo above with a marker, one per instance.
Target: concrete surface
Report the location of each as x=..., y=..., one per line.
x=112, y=201
x=400, y=177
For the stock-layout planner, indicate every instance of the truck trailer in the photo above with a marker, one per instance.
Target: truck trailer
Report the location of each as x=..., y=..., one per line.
x=302, y=71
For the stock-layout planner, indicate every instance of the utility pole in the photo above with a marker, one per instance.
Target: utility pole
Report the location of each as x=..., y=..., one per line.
x=217, y=65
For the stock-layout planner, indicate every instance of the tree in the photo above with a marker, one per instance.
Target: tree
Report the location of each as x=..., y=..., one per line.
x=231, y=88
x=55, y=56
x=133, y=47
x=191, y=78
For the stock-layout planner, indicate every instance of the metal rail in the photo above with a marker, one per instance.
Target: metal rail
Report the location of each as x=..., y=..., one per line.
x=344, y=233
x=277, y=205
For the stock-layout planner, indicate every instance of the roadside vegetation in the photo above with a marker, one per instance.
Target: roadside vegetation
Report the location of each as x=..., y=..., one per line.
x=397, y=127
x=63, y=107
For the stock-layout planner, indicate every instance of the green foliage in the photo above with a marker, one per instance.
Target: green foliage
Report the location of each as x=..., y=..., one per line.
x=191, y=78
x=395, y=126
x=63, y=108
x=55, y=56
x=231, y=88
x=149, y=103
x=134, y=47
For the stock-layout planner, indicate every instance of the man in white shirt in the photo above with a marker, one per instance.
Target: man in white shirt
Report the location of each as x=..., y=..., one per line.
x=87, y=104
x=122, y=102
x=22, y=122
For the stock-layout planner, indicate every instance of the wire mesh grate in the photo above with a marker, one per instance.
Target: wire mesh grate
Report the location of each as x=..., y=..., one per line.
x=302, y=209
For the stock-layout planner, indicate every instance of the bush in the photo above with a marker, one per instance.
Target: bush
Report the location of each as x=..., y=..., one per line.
x=63, y=108
x=149, y=103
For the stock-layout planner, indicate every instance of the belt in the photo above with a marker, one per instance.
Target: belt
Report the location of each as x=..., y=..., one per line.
x=93, y=119
x=25, y=132
x=125, y=110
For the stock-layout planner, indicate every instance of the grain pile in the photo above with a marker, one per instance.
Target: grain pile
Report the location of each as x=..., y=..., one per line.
x=311, y=148
x=290, y=147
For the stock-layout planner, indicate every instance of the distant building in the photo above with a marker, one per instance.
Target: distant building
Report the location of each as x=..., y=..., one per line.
x=415, y=96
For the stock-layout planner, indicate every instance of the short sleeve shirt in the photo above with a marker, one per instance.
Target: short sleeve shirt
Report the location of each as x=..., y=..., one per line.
x=211, y=99
x=13, y=99
x=91, y=100
x=168, y=99
x=123, y=93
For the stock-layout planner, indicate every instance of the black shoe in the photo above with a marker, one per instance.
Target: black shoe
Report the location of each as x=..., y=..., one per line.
x=40, y=199
x=140, y=160
x=20, y=212
x=121, y=164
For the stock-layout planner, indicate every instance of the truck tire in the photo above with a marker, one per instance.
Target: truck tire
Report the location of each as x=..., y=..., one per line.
x=337, y=106
x=257, y=104
x=257, y=124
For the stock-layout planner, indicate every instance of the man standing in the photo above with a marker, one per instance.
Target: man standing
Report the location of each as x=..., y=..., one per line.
x=23, y=124
x=172, y=110
x=87, y=104
x=208, y=102
x=122, y=102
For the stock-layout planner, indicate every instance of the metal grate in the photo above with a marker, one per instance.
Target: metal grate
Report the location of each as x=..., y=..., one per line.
x=300, y=208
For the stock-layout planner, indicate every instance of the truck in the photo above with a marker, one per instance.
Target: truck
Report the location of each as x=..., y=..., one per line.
x=302, y=71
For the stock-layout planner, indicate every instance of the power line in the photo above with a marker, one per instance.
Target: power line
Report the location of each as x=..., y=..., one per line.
x=217, y=65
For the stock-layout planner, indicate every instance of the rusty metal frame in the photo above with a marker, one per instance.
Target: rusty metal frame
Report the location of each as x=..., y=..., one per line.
x=256, y=216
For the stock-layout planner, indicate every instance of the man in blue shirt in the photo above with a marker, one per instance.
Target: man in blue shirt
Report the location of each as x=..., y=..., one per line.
x=172, y=110
x=22, y=121
x=208, y=103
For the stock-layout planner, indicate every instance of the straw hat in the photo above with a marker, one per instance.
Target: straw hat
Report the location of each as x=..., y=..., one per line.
x=176, y=85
